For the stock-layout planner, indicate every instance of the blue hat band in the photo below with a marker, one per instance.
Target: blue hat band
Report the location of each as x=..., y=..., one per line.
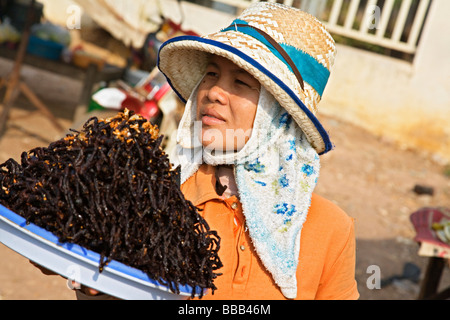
x=312, y=72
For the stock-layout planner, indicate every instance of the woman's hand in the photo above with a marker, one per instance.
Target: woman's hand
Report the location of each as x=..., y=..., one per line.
x=43, y=270
x=83, y=289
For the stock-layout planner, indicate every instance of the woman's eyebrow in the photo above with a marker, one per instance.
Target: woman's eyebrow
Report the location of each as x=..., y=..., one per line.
x=212, y=64
x=242, y=71
x=236, y=70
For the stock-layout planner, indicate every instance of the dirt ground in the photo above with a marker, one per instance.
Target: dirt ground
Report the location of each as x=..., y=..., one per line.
x=367, y=176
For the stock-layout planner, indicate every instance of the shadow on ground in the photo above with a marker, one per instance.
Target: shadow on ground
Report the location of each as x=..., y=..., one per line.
x=401, y=269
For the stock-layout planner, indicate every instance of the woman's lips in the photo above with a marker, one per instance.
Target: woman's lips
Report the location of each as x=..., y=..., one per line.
x=210, y=121
x=210, y=117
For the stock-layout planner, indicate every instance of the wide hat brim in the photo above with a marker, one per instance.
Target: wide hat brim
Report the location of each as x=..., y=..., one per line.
x=183, y=60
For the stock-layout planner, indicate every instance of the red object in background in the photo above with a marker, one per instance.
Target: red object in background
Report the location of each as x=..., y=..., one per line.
x=423, y=220
x=149, y=109
x=132, y=103
x=175, y=27
x=161, y=92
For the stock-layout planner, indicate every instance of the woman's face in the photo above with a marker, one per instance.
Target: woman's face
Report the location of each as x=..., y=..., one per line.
x=226, y=105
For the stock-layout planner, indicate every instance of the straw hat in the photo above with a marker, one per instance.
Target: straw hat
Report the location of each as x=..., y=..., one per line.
x=287, y=50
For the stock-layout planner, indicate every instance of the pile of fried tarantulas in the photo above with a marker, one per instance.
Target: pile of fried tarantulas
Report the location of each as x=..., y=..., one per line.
x=111, y=189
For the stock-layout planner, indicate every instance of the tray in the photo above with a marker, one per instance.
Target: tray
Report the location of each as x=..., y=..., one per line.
x=79, y=264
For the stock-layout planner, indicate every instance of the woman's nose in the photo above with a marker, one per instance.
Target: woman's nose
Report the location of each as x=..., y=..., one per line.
x=218, y=93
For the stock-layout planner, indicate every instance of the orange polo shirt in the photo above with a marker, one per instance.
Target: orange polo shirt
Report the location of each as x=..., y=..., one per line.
x=326, y=268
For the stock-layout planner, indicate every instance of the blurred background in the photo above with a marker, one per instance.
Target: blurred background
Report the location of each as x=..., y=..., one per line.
x=386, y=108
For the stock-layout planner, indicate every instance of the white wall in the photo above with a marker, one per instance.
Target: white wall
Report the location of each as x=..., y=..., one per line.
x=408, y=103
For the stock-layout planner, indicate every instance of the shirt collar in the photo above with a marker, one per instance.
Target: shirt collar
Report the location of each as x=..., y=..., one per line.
x=201, y=186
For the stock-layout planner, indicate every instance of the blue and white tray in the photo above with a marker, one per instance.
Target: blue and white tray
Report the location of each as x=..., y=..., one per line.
x=79, y=264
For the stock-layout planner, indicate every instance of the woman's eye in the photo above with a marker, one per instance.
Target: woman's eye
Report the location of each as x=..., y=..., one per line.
x=240, y=82
x=211, y=74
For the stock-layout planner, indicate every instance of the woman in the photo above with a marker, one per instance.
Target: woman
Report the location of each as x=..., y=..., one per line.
x=249, y=147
